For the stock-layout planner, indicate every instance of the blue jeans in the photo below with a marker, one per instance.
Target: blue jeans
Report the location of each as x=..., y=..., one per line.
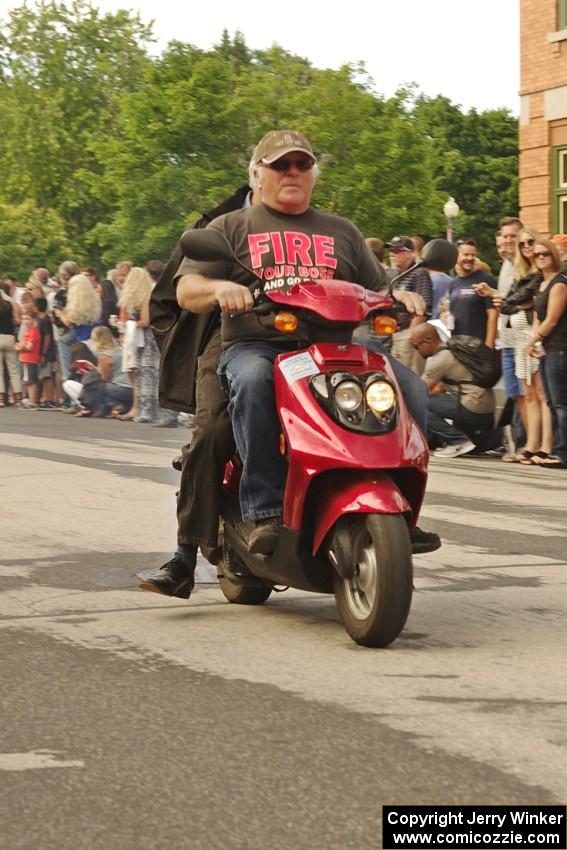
x=512, y=384
x=64, y=348
x=111, y=394
x=478, y=427
x=553, y=372
x=246, y=370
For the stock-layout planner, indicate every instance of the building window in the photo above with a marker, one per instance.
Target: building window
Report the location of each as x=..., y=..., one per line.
x=560, y=190
x=561, y=14
x=562, y=215
x=563, y=169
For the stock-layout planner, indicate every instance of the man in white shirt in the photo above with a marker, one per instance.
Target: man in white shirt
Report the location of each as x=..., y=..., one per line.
x=509, y=229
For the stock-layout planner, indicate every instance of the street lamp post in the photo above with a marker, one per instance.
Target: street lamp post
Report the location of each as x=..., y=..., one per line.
x=451, y=211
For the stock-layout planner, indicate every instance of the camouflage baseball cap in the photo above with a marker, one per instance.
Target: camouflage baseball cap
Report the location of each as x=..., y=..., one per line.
x=277, y=143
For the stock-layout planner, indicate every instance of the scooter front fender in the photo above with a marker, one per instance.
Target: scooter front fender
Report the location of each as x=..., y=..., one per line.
x=356, y=492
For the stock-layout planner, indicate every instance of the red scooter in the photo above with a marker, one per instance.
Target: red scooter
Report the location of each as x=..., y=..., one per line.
x=357, y=463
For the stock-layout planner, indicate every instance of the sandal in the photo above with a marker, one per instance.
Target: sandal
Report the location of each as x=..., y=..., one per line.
x=552, y=462
x=519, y=457
x=539, y=457
x=84, y=411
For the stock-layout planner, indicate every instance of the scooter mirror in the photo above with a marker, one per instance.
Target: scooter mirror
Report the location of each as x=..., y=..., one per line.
x=439, y=254
x=206, y=246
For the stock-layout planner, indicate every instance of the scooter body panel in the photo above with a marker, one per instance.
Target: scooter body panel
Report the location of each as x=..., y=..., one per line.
x=316, y=443
x=333, y=470
x=354, y=492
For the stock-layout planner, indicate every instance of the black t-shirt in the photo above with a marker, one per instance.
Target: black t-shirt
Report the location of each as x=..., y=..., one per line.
x=468, y=309
x=557, y=339
x=284, y=249
x=6, y=316
x=46, y=329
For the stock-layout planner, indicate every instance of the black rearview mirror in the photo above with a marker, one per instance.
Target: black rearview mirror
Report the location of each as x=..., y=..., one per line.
x=439, y=254
x=206, y=246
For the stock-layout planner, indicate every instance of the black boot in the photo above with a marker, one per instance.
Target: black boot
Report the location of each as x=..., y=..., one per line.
x=424, y=541
x=176, y=578
x=264, y=537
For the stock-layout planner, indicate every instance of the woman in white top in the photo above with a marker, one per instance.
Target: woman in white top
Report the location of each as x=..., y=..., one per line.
x=519, y=305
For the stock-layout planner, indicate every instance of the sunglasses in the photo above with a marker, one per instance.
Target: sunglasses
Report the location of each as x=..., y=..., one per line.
x=539, y=254
x=304, y=163
x=527, y=243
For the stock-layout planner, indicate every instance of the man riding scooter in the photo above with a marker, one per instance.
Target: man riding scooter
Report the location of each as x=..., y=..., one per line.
x=283, y=239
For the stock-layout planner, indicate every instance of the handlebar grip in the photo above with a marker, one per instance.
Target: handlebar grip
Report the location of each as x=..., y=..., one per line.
x=261, y=309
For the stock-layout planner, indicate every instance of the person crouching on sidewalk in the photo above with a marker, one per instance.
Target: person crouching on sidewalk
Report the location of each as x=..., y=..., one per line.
x=454, y=395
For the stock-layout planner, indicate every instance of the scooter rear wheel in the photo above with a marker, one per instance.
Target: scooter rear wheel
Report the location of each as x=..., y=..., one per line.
x=242, y=594
x=251, y=591
x=374, y=604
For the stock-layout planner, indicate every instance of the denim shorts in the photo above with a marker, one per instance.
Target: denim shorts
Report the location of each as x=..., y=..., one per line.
x=512, y=384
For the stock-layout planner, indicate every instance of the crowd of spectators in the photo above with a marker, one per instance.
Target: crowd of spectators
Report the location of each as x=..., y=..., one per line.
x=81, y=345
x=76, y=344
x=521, y=312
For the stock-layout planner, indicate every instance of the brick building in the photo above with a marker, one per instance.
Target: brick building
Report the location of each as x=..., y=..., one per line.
x=543, y=115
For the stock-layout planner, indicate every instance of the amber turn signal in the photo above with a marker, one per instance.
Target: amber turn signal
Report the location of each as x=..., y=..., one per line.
x=286, y=322
x=283, y=447
x=385, y=325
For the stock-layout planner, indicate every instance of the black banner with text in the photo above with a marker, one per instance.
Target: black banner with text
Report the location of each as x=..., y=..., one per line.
x=463, y=827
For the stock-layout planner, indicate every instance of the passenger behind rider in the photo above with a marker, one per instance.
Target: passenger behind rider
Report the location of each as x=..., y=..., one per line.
x=282, y=239
x=190, y=350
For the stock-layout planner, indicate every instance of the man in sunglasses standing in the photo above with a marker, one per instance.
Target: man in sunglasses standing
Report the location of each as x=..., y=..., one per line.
x=509, y=227
x=283, y=239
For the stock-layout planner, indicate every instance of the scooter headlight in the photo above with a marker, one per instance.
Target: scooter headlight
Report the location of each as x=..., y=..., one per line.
x=380, y=397
x=348, y=396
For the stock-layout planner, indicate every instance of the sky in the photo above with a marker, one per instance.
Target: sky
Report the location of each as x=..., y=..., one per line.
x=466, y=52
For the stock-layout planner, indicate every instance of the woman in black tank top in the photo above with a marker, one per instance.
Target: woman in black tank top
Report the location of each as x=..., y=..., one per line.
x=550, y=329
x=8, y=362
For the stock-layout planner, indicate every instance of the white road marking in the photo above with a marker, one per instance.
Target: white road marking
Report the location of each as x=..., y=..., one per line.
x=34, y=760
x=498, y=521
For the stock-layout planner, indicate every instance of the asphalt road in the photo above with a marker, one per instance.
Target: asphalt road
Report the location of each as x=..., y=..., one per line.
x=132, y=721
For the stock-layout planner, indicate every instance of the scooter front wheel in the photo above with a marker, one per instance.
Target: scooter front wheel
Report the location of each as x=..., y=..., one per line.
x=374, y=604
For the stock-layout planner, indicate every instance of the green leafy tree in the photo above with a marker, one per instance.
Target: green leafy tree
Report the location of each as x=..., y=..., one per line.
x=30, y=237
x=476, y=161
x=187, y=133
x=62, y=69
x=126, y=150
x=176, y=154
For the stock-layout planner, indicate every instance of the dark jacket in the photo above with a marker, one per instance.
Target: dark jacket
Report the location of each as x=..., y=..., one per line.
x=181, y=336
x=521, y=296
